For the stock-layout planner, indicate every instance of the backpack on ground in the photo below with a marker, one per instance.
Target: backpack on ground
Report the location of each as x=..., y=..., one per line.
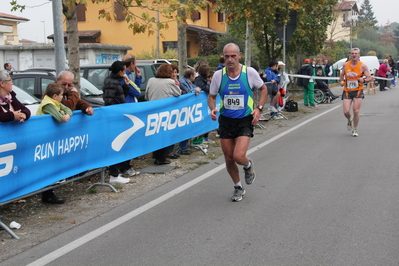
x=291, y=106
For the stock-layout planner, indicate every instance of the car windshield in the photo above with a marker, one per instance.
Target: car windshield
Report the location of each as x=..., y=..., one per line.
x=88, y=89
x=24, y=97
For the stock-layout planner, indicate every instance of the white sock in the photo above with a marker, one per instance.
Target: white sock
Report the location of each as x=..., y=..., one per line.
x=238, y=184
x=249, y=165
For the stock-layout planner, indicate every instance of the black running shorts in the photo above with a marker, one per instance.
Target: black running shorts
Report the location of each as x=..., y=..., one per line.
x=231, y=128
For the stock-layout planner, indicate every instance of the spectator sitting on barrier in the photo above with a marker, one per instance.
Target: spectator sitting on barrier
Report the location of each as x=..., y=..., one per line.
x=51, y=104
x=11, y=108
x=115, y=92
x=160, y=87
x=322, y=85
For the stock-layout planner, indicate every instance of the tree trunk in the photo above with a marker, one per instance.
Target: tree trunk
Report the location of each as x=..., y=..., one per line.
x=73, y=42
x=248, y=41
x=182, y=44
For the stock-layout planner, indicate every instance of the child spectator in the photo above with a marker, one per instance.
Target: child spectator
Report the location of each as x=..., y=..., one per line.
x=51, y=104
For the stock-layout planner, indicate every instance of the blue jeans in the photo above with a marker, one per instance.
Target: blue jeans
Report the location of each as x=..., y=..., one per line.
x=182, y=146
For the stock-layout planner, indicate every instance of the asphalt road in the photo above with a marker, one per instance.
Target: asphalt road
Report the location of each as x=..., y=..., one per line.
x=321, y=197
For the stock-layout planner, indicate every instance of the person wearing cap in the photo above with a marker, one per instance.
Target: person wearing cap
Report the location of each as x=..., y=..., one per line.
x=280, y=65
x=307, y=83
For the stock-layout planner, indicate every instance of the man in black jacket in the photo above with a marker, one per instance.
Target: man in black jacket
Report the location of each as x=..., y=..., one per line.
x=307, y=83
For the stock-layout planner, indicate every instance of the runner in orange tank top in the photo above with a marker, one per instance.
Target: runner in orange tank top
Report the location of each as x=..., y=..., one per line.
x=353, y=75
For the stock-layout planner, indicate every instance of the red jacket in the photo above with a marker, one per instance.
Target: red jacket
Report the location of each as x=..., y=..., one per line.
x=382, y=70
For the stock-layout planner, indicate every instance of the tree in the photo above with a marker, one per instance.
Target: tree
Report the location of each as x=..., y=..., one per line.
x=313, y=17
x=387, y=35
x=369, y=34
x=396, y=37
x=69, y=8
x=366, y=16
x=138, y=23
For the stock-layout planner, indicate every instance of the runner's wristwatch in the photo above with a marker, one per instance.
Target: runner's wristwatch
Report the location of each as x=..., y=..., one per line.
x=260, y=107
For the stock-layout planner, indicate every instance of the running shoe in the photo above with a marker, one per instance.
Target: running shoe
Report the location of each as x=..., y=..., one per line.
x=272, y=109
x=208, y=141
x=238, y=193
x=131, y=172
x=350, y=123
x=249, y=174
x=354, y=133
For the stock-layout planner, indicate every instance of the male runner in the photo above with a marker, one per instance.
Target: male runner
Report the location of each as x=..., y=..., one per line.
x=236, y=84
x=353, y=75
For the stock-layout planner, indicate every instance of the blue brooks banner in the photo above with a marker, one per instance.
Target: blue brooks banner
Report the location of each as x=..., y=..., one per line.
x=41, y=151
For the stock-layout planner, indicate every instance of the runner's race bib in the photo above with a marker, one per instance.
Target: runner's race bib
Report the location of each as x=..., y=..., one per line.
x=233, y=102
x=352, y=80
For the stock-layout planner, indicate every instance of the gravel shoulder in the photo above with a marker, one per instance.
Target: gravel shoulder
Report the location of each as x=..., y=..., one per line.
x=43, y=221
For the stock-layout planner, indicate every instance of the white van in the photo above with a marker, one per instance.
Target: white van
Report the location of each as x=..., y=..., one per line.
x=371, y=61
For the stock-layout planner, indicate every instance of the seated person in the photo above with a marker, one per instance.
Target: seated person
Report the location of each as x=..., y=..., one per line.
x=272, y=85
x=322, y=85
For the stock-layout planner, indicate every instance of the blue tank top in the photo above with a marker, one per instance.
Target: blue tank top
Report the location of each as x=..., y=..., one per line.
x=237, y=97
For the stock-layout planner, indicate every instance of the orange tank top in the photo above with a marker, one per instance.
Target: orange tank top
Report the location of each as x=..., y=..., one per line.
x=352, y=75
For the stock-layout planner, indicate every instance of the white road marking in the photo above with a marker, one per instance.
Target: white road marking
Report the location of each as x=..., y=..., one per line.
x=105, y=228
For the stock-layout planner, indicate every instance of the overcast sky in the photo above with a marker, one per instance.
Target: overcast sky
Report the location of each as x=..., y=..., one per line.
x=41, y=10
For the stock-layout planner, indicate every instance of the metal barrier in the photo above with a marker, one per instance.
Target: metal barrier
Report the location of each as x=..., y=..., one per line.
x=68, y=180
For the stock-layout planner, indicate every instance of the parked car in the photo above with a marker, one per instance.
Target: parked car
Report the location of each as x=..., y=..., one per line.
x=97, y=73
x=27, y=99
x=35, y=83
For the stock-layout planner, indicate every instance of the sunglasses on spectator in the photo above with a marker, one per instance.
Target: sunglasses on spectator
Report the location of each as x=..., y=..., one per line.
x=67, y=84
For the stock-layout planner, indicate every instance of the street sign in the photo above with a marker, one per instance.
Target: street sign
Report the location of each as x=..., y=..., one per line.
x=289, y=28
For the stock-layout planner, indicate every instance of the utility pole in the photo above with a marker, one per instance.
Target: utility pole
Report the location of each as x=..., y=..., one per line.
x=44, y=30
x=59, y=46
x=248, y=39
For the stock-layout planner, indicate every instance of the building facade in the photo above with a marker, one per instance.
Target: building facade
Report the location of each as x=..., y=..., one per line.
x=9, y=28
x=346, y=14
x=117, y=31
x=24, y=56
